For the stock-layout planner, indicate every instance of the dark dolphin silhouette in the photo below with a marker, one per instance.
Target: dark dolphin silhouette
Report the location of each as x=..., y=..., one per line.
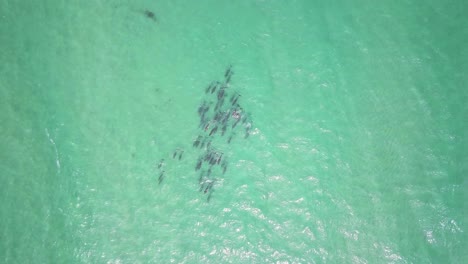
x=161, y=177
x=150, y=14
x=228, y=71
x=214, y=130
x=199, y=163
x=161, y=162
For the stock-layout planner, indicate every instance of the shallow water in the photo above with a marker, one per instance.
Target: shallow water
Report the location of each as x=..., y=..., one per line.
x=357, y=151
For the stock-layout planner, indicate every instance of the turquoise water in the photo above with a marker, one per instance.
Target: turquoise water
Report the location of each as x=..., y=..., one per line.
x=357, y=151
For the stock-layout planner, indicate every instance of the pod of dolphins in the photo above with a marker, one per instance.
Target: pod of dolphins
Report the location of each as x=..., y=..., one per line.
x=218, y=118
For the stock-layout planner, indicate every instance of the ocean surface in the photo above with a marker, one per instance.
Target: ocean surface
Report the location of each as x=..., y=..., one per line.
x=350, y=143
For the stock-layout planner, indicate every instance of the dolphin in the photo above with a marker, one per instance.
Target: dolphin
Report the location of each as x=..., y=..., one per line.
x=199, y=163
x=212, y=161
x=214, y=130
x=201, y=186
x=197, y=141
x=235, y=123
x=219, y=159
x=225, y=118
x=208, y=156
x=224, y=166
x=235, y=100
x=202, y=173
x=150, y=15
x=161, y=162
x=201, y=108
x=161, y=177
x=223, y=129
x=228, y=71
x=221, y=93
x=210, y=185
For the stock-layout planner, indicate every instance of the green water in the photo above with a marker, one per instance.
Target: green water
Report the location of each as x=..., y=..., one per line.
x=358, y=151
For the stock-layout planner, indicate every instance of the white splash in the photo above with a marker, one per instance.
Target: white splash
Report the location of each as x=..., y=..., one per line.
x=57, y=161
